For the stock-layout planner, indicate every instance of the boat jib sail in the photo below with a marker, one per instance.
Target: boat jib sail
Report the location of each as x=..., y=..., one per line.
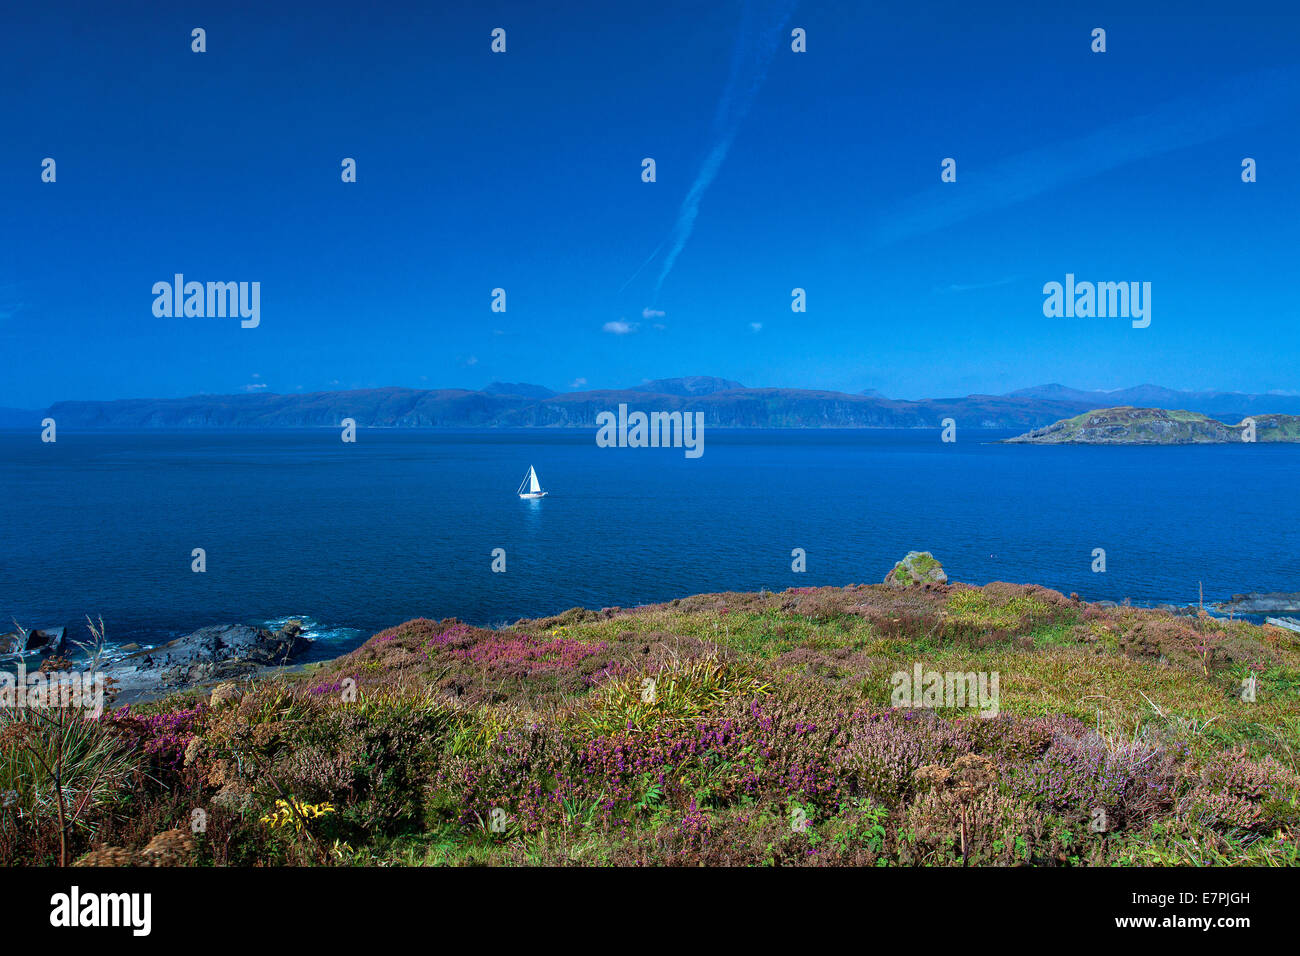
x=533, y=486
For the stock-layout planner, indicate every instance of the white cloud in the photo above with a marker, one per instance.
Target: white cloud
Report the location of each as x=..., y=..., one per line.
x=651, y=314
x=621, y=327
x=578, y=383
x=254, y=387
x=756, y=326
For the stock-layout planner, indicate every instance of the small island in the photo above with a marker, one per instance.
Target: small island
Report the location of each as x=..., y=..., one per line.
x=1127, y=425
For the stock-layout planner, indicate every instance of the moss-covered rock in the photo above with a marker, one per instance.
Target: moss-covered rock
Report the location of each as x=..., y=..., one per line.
x=919, y=567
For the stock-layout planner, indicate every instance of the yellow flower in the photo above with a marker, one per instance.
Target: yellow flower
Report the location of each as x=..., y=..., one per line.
x=283, y=815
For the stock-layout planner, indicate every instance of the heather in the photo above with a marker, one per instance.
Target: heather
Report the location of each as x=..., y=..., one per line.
x=719, y=729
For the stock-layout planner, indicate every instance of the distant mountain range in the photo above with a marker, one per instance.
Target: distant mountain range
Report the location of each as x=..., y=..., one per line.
x=690, y=386
x=724, y=404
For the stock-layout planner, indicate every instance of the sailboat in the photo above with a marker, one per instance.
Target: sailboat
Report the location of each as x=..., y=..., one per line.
x=534, y=489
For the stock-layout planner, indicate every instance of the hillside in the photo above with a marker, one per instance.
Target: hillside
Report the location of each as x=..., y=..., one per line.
x=1126, y=425
x=689, y=386
x=728, y=729
x=503, y=408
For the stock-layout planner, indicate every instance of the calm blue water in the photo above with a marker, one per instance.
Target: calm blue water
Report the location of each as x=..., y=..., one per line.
x=403, y=523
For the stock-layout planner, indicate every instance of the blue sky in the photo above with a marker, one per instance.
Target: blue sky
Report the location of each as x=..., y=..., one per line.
x=775, y=170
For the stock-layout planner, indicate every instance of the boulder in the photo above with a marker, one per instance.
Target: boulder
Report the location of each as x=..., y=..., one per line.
x=919, y=567
x=43, y=639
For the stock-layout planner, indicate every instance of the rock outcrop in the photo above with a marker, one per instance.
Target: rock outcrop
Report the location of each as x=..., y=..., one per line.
x=46, y=640
x=220, y=652
x=1287, y=602
x=919, y=567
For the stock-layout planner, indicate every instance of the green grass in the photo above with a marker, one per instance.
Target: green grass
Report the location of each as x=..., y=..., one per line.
x=752, y=720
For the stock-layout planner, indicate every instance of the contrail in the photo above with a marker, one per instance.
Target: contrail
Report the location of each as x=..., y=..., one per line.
x=642, y=266
x=762, y=28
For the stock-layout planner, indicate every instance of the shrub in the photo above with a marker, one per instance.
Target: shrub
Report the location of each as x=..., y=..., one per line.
x=1128, y=780
x=885, y=750
x=59, y=769
x=678, y=692
x=1233, y=791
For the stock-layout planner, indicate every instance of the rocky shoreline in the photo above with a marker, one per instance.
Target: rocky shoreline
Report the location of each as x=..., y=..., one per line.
x=210, y=655
x=1272, y=602
x=231, y=652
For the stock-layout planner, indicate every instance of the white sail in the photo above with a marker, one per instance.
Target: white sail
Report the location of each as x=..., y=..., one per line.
x=533, y=485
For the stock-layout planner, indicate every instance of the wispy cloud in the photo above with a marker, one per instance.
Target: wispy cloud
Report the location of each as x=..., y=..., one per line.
x=1254, y=99
x=648, y=313
x=11, y=303
x=975, y=286
x=621, y=327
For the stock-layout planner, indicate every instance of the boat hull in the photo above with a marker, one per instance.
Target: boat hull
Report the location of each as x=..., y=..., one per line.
x=539, y=494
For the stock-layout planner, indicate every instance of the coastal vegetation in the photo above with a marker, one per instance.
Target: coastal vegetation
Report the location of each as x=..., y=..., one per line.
x=718, y=729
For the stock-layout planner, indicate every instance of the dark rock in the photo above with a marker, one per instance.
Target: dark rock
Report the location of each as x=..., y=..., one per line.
x=53, y=640
x=1257, y=603
x=46, y=640
x=217, y=652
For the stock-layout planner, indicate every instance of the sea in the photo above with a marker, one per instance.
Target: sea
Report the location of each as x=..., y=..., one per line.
x=355, y=537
